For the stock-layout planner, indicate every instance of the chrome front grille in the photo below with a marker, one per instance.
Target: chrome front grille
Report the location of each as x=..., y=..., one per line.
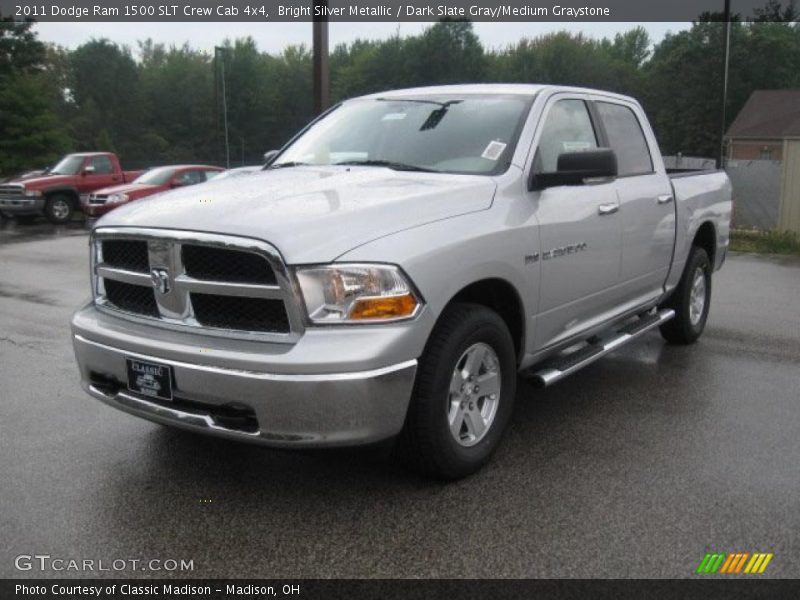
x=11, y=191
x=130, y=255
x=237, y=312
x=207, y=263
x=132, y=298
x=214, y=284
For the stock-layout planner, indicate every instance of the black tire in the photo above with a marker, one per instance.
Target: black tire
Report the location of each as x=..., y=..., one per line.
x=683, y=329
x=59, y=208
x=4, y=216
x=426, y=443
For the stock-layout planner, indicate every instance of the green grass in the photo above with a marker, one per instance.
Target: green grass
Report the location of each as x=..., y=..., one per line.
x=765, y=242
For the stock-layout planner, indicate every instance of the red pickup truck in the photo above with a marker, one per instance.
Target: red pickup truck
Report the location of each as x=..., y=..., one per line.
x=57, y=193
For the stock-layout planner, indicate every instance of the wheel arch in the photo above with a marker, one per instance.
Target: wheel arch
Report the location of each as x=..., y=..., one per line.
x=70, y=191
x=706, y=238
x=502, y=297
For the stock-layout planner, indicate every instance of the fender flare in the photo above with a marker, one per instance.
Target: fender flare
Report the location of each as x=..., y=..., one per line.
x=70, y=190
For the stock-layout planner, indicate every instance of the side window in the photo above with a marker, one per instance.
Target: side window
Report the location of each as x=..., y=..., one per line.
x=190, y=177
x=102, y=165
x=626, y=138
x=567, y=128
x=211, y=174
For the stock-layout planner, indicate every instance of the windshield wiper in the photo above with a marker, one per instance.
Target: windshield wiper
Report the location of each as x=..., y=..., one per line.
x=287, y=164
x=421, y=101
x=397, y=166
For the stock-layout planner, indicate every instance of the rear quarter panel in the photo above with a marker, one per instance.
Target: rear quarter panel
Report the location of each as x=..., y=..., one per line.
x=700, y=198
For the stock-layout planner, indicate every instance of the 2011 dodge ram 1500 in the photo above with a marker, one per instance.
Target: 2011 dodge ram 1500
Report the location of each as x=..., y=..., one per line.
x=395, y=267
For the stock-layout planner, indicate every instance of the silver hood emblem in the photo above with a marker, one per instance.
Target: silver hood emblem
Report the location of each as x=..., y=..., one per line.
x=160, y=279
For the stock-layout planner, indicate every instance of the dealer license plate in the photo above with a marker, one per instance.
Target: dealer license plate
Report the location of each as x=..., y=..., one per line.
x=150, y=379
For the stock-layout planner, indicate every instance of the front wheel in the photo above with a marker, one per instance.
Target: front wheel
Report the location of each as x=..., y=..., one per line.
x=463, y=395
x=690, y=300
x=58, y=209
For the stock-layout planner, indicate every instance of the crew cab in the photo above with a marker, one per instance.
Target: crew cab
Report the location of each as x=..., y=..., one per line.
x=147, y=184
x=57, y=193
x=395, y=268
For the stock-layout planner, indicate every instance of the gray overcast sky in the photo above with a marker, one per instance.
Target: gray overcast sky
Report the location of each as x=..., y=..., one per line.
x=274, y=37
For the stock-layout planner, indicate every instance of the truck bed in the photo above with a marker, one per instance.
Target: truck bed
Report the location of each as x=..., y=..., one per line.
x=676, y=173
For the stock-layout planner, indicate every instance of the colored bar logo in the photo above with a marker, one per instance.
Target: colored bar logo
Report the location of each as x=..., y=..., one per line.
x=734, y=563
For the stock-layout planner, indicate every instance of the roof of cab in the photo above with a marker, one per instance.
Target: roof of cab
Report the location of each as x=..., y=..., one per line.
x=523, y=89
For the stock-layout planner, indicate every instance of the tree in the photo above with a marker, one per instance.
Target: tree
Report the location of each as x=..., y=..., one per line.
x=773, y=11
x=686, y=116
x=177, y=91
x=447, y=52
x=107, y=95
x=20, y=51
x=163, y=104
x=30, y=132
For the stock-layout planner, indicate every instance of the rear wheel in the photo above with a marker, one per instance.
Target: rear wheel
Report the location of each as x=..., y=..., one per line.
x=463, y=395
x=58, y=208
x=690, y=300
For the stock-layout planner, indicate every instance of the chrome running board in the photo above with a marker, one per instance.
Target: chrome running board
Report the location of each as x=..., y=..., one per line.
x=556, y=369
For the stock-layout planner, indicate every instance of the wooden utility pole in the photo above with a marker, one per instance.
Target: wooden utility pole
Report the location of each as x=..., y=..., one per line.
x=322, y=77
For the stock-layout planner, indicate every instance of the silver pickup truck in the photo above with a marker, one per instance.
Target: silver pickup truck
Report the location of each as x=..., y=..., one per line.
x=396, y=266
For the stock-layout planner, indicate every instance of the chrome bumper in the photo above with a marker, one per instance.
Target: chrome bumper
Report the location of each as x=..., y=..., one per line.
x=292, y=410
x=22, y=205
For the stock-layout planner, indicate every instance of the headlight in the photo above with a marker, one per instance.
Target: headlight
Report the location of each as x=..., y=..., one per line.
x=32, y=193
x=115, y=198
x=356, y=293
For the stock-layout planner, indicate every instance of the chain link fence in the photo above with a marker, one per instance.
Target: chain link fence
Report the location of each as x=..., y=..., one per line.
x=756, y=193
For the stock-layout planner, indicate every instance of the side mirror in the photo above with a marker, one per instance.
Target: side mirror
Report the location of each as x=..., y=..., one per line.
x=269, y=156
x=574, y=168
x=88, y=170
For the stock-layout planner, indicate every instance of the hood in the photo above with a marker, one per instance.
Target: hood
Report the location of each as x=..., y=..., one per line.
x=131, y=189
x=43, y=181
x=311, y=214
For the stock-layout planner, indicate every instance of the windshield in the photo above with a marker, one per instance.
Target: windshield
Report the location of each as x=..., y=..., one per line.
x=158, y=176
x=69, y=165
x=473, y=134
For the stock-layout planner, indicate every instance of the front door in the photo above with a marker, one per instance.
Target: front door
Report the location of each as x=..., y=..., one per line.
x=579, y=228
x=102, y=176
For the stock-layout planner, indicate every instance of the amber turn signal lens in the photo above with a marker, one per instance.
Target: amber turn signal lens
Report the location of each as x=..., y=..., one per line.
x=385, y=307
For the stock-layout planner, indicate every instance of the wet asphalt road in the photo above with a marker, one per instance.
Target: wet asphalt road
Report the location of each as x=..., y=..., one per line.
x=634, y=467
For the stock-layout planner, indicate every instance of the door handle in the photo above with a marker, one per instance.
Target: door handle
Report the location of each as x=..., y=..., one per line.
x=664, y=198
x=608, y=209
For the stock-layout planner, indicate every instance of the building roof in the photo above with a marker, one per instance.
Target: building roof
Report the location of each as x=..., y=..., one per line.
x=768, y=114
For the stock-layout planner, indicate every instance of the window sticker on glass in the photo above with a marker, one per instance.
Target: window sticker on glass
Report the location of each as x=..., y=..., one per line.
x=393, y=117
x=577, y=146
x=493, y=150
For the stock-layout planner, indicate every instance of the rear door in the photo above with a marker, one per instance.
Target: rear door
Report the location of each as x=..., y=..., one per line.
x=579, y=228
x=647, y=208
